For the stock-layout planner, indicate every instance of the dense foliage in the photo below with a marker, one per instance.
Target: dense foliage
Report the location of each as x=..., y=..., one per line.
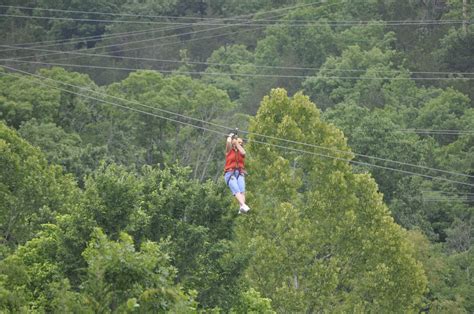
x=360, y=130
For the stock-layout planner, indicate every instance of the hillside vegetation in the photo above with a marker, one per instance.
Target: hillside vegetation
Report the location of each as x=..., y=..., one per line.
x=358, y=119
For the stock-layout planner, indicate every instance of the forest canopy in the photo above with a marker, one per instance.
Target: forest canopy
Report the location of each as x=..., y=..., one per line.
x=357, y=119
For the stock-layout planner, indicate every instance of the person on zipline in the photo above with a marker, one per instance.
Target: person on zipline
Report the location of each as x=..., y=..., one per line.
x=235, y=169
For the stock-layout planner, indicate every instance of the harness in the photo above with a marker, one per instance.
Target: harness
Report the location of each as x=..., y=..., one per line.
x=236, y=169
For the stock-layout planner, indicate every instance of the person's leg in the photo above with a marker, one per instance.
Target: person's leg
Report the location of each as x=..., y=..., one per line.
x=241, y=198
x=231, y=181
x=241, y=184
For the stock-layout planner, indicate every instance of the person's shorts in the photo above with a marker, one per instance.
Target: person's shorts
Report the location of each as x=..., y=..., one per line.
x=235, y=181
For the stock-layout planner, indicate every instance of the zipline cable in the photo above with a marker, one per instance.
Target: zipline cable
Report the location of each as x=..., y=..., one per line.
x=102, y=36
x=158, y=16
x=209, y=29
x=118, y=105
x=423, y=131
x=54, y=52
x=234, y=74
x=54, y=42
x=194, y=17
x=135, y=42
x=364, y=163
x=265, y=136
x=256, y=141
x=87, y=38
x=435, y=132
x=251, y=133
x=237, y=65
x=191, y=62
x=353, y=23
x=194, y=32
x=165, y=16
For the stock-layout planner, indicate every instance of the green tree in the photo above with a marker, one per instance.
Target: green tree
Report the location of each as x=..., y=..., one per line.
x=31, y=191
x=60, y=28
x=235, y=59
x=199, y=220
x=253, y=302
x=33, y=277
x=322, y=238
x=366, y=78
x=120, y=277
x=374, y=133
x=113, y=199
x=383, y=133
x=165, y=141
x=156, y=204
x=22, y=99
x=74, y=113
x=444, y=112
x=61, y=148
x=449, y=287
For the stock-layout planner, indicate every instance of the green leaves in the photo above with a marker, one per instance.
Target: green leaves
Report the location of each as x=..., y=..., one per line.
x=322, y=240
x=366, y=71
x=31, y=191
x=117, y=273
x=22, y=99
x=319, y=237
x=113, y=194
x=233, y=60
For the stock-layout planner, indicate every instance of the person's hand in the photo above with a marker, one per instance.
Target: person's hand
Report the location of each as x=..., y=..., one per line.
x=231, y=135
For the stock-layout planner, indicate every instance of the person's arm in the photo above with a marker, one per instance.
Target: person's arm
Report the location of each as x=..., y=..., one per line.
x=228, y=144
x=240, y=148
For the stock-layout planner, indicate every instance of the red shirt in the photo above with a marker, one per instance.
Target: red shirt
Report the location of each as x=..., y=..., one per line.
x=234, y=160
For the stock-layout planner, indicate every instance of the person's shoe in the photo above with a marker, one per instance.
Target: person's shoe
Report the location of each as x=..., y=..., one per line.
x=245, y=208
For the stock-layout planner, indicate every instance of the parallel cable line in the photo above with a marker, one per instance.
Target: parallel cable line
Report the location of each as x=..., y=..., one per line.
x=165, y=16
x=109, y=14
x=193, y=32
x=256, y=141
x=114, y=21
x=361, y=155
x=266, y=136
x=432, y=131
x=152, y=22
x=171, y=16
x=46, y=43
x=87, y=38
x=449, y=200
x=120, y=106
x=228, y=74
x=258, y=66
x=39, y=77
x=19, y=46
x=364, y=163
x=137, y=41
x=53, y=52
x=162, y=37
x=180, y=17
x=116, y=34
x=191, y=62
x=283, y=23
x=447, y=193
x=127, y=50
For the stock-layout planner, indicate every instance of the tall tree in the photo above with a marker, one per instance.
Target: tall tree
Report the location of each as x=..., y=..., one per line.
x=321, y=237
x=31, y=191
